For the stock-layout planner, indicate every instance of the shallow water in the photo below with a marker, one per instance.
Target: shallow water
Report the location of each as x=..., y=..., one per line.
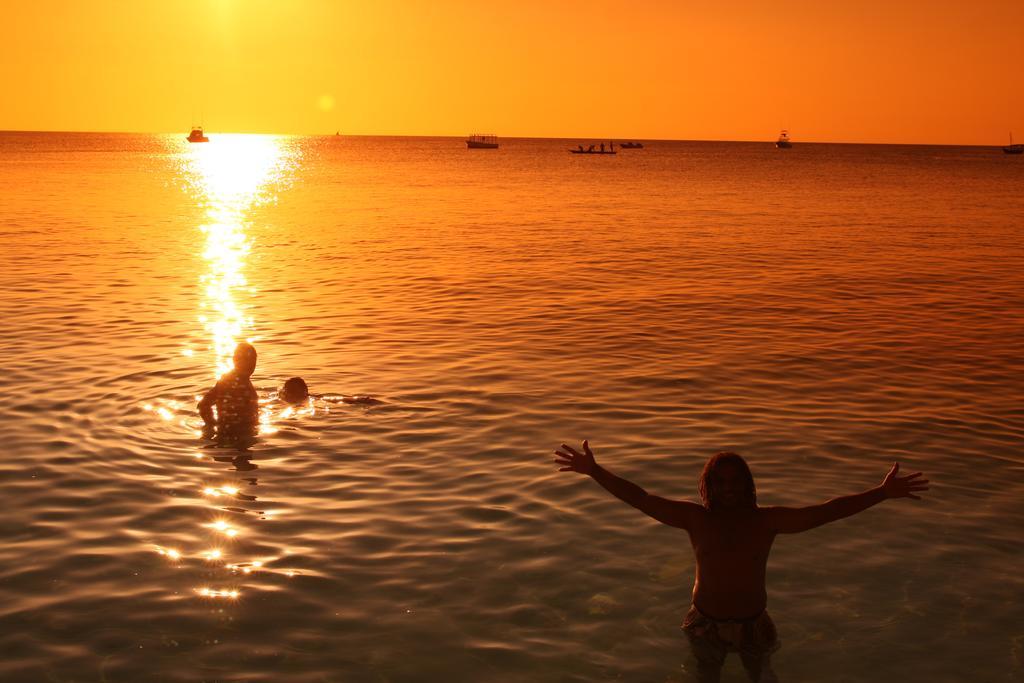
x=824, y=311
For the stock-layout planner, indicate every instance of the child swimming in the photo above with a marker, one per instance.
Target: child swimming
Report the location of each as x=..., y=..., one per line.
x=235, y=399
x=294, y=391
x=731, y=538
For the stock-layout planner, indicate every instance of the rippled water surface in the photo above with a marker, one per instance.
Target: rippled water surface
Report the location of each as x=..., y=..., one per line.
x=824, y=311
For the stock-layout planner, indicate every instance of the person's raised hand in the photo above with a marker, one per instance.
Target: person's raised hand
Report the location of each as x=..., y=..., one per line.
x=571, y=460
x=896, y=486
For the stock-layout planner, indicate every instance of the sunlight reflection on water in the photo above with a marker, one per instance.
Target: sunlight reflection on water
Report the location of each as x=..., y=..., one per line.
x=229, y=178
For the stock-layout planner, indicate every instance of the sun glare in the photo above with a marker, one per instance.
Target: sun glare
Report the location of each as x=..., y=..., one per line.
x=231, y=174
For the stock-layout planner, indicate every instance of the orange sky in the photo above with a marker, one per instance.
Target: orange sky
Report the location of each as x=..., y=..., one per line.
x=941, y=71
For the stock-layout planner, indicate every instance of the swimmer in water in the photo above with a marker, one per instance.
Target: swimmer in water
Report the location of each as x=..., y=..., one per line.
x=294, y=391
x=235, y=399
x=731, y=536
x=360, y=400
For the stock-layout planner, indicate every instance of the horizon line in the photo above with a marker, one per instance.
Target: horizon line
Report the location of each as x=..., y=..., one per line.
x=506, y=137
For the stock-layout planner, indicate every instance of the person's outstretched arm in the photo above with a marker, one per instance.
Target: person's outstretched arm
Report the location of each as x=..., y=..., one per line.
x=787, y=520
x=677, y=513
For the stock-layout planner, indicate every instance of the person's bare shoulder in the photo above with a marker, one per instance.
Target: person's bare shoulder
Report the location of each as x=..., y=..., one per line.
x=682, y=514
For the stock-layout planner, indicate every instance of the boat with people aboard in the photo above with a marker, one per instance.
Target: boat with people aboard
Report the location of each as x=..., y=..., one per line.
x=1012, y=148
x=594, y=149
x=481, y=141
x=631, y=145
x=197, y=135
x=783, y=141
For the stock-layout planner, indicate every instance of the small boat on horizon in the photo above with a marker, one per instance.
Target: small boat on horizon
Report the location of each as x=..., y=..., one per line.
x=479, y=141
x=592, y=149
x=197, y=135
x=1012, y=148
x=631, y=145
x=783, y=141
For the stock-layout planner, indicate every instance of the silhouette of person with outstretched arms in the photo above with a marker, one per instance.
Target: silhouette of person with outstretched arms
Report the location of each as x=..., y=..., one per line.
x=731, y=537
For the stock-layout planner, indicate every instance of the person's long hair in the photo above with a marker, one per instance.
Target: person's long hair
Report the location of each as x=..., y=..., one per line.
x=708, y=478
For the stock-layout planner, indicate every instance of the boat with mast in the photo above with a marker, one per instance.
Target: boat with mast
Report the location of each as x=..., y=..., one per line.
x=482, y=141
x=1012, y=148
x=783, y=141
x=197, y=135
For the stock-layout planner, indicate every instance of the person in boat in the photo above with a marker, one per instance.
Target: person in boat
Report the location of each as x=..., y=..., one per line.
x=235, y=400
x=590, y=149
x=602, y=147
x=581, y=147
x=731, y=537
x=294, y=391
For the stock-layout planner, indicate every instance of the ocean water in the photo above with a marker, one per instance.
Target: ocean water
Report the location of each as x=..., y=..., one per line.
x=824, y=311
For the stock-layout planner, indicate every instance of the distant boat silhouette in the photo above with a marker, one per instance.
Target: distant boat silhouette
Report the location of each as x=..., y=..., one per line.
x=591, y=149
x=337, y=134
x=783, y=141
x=631, y=145
x=197, y=135
x=1012, y=148
x=478, y=141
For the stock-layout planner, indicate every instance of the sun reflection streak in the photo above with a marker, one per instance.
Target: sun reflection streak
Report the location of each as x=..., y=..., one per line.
x=228, y=178
x=224, y=528
x=224, y=490
x=169, y=552
x=226, y=249
x=231, y=594
x=233, y=175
